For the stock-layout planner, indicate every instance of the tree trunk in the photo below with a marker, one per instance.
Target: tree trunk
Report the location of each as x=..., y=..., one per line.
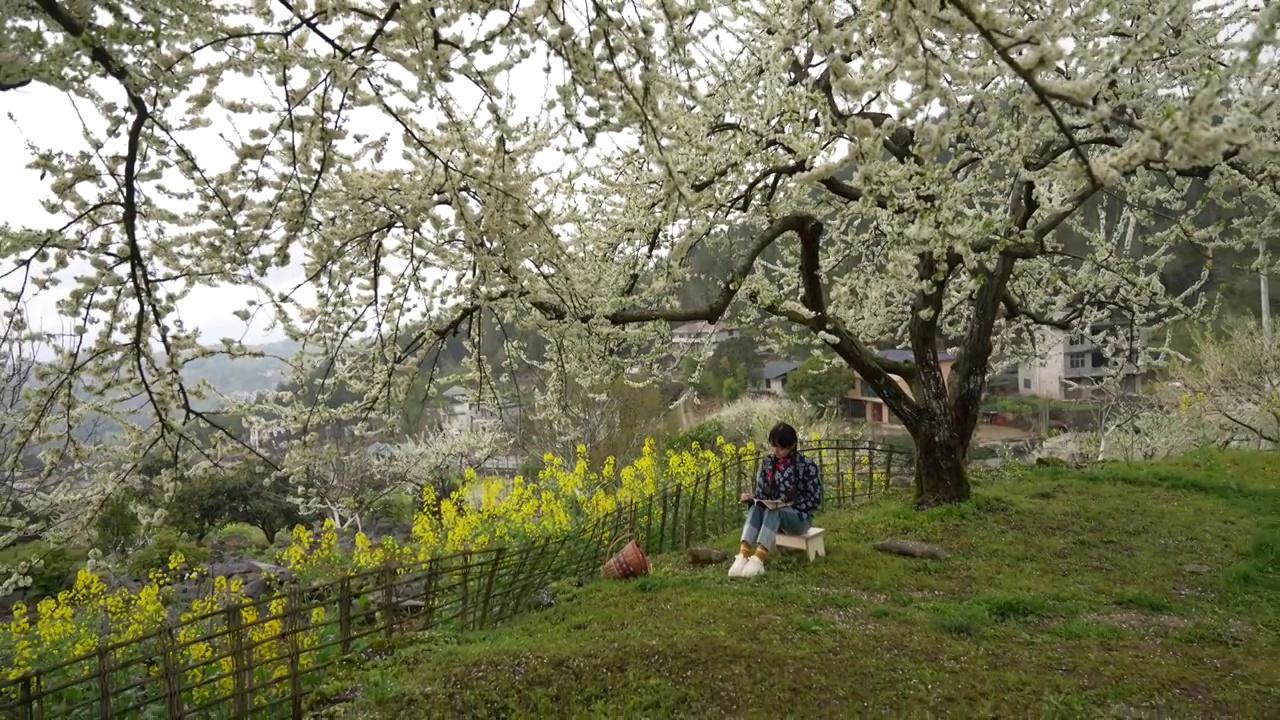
x=268, y=529
x=941, y=477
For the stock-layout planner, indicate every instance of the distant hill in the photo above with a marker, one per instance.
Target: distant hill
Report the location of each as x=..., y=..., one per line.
x=243, y=376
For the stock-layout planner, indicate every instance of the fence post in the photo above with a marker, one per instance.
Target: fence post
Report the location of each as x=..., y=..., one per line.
x=648, y=522
x=240, y=701
x=617, y=530
x=429, y=594
x=838, y=500
x=675, y=515
x=104, y=683
x=388, y=600
x=706, y=497
x=727, y=494
x=688, y=516
x=662, y=524
x=465, y=599
x=27, y=709
x=293, y=625
x=344, y=614
x=469, y=593
x=488, y=586
x=172, y=678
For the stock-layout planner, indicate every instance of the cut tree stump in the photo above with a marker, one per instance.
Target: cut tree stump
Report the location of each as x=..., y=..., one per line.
x=705, y=556
x=911, y=548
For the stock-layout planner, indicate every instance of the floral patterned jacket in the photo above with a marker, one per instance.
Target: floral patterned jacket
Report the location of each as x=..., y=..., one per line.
x=794, y=479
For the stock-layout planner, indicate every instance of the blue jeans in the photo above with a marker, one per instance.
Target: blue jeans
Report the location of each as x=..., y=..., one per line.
x=763, y=525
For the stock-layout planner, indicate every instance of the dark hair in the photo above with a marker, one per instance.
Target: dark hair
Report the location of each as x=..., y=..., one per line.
x=783, y=435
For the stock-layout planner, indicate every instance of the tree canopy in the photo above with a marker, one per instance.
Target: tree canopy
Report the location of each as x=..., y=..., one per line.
x=819, y=383
x=965, y=170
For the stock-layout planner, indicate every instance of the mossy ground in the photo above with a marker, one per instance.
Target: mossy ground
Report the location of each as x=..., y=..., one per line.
x=1118, y=591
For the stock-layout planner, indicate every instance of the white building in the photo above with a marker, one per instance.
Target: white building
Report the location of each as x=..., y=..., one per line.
x=267, y=435
x=699, y=332
x=462, y=414
x=1074, y=360
x=772, y=378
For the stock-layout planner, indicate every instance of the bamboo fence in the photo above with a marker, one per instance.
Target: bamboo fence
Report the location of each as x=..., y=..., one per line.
x=262, y=658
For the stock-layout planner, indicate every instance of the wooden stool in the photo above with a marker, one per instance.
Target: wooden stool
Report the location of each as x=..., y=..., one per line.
x=810, y=542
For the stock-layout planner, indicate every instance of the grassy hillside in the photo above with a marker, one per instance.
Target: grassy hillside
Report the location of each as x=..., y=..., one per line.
x=1121, y=591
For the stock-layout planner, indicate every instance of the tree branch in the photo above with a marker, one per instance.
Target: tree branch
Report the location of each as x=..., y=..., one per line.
x=970, y=370
x=1048, y=152
x=861, y=358
x=858, y=356
x=708, y=312
x=1036, y=88
x=1013, y=309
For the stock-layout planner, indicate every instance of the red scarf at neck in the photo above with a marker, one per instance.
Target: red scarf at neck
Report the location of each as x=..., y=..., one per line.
x=778, y=465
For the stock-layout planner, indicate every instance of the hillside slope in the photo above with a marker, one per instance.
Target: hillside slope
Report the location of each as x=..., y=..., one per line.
x=1122, y=591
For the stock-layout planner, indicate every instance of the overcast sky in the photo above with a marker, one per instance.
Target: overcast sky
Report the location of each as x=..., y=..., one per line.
x=49, y=119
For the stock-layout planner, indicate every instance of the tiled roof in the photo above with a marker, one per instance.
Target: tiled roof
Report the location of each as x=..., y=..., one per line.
x=777, y=368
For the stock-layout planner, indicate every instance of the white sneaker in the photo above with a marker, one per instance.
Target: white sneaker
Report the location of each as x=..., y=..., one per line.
x=739, y=562
x=753, y=567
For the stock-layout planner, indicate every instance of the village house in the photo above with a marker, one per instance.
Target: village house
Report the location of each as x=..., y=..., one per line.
x=463, y=414
x=1069, y=363
x=696, y=333
x=771, y=379
x=862, y=402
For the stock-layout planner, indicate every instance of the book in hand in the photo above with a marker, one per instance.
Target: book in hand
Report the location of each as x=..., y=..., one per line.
x=771, y=504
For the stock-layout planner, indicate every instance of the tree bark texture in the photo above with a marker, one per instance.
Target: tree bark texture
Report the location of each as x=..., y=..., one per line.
x=940, y=474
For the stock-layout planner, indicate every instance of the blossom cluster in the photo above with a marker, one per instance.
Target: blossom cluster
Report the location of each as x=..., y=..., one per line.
x=483, y=512
x=67, y=630
x=490, y=511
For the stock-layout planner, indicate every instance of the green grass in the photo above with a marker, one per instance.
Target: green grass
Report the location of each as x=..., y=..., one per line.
x=1120, y=591
x=239, y=535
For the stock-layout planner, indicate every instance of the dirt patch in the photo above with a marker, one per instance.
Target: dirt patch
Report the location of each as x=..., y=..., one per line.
x=1135, y=620
x=867, y=597
x=849, y=618
x=993, y=433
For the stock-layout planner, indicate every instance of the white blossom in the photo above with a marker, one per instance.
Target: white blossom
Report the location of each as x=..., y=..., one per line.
x=880, y=172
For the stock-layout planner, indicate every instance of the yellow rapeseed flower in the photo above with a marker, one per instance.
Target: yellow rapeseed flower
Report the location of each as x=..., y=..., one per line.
x=561, y=497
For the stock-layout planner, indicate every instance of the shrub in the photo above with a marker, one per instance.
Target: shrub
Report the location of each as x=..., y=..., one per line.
x=117, y=528
x=704, y=434
x=898, y=442
x=240, y=535
x=51, y=569
x=398, y=508
x=750, y=419
x=164, y=544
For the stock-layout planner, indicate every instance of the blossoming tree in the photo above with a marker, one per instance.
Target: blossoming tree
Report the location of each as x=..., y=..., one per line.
x=436, y=460
x=870, y=172
x=1233, y=383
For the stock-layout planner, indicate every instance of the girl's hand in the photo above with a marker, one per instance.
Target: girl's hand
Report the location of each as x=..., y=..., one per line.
x=744, y=497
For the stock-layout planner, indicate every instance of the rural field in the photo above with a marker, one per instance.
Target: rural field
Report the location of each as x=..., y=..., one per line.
x=1117, y=591
x=341, y=343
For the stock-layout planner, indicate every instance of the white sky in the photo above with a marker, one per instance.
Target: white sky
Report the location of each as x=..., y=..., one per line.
x=48, y=118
